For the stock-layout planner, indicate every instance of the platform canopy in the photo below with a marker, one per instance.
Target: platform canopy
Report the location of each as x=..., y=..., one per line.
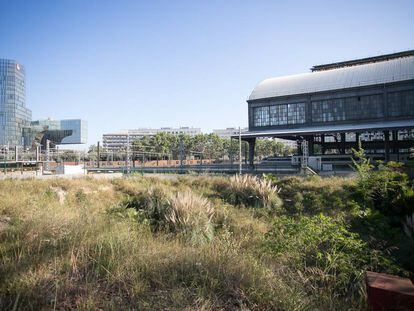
x=329, y=129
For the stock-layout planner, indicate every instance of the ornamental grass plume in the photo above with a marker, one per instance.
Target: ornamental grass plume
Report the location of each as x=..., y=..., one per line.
x=183, y=213
x=251, y=191
x=191, y=215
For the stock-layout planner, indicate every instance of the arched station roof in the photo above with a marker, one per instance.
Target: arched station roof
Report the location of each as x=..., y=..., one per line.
x=365, y=74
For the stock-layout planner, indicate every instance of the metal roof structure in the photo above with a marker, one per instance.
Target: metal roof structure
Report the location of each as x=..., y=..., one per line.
x=361, y=61
x=325, y=129
x=365, y=74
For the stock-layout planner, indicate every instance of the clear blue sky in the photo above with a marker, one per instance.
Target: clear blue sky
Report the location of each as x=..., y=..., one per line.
x=129, y=64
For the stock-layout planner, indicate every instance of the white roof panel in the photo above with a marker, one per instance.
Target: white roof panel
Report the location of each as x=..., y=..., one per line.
x=394, y=70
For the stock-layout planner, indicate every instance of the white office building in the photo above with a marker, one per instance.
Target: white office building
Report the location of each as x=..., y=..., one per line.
x=114, y=142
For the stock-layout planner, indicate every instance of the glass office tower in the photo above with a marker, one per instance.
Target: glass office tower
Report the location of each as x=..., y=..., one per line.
x=13, y=112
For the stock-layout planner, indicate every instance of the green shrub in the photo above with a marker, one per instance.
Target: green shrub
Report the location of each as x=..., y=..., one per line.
x=387, y=189
x=326, y=253
x=313, y=195
x=153, y=203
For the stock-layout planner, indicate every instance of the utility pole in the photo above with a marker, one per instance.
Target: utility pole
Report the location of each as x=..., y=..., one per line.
x=4, y=158
x=46, y=168
x=128, y=156
x=240, y=152
x=37, y=157
x=181, y=153
x=98, y=155
x=84, y=162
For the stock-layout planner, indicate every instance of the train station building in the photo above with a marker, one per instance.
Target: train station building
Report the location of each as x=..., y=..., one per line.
x=338, y=105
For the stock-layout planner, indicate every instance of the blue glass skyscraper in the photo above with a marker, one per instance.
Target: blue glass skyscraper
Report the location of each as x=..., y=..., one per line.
x=13, y=112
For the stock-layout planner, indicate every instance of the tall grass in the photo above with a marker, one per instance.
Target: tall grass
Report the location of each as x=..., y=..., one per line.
x=192, y=215
x=252, y=191
x=185, y=244
x=183, y=213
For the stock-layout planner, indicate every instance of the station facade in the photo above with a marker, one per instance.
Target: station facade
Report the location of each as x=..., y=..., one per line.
x=337, y=106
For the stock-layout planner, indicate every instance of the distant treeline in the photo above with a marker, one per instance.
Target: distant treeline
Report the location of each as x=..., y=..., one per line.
x=208, y=146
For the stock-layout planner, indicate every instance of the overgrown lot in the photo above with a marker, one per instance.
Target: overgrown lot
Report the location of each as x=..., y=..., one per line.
x=202, y=243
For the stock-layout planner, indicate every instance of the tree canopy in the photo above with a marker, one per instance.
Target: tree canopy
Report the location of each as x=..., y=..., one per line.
x=207, y=146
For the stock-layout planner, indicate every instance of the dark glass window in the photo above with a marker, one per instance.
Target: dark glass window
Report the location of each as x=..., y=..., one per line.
x=349, y=108
x=279, y=114
x=261, y=116
x=400, y=103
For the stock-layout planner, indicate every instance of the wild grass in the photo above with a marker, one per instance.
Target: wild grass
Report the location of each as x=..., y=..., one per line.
x=184, y=244
x=252, y=191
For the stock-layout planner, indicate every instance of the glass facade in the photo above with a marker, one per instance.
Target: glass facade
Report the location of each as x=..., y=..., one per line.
x=79, y=130
x=281, y=114
x=73, y=131
x=353, y=108
x=13, y=112
x=400, y=103
x=348, y=108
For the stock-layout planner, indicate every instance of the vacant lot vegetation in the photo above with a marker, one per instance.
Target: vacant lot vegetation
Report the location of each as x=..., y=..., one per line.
x=202, y=243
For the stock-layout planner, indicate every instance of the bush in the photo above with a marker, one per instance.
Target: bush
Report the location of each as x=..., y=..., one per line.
x=152, y=203
x=313, y=195
x=386, y=189
x=328, y=256
x=251, y=191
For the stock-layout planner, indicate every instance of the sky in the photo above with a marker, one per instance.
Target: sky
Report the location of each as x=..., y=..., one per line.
x=130, y=64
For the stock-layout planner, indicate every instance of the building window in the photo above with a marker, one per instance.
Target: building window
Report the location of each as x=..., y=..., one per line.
x=350, y=108
x=261, y=116
x=279, y=114
x=400, y=103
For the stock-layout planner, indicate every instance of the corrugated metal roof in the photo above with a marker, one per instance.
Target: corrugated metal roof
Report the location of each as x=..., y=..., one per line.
x=393, y=70
x=372, y=126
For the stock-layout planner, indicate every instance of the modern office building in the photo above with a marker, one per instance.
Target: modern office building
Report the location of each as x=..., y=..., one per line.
x=79, y=130
x=58, y=132
x=13, y=112
x=114, y=142
x=336, y=105
x=16, y=127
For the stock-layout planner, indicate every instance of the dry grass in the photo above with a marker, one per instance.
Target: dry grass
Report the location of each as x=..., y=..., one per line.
x=252, y=191
x=192, y=215
x=148, y=244
x=78, y=255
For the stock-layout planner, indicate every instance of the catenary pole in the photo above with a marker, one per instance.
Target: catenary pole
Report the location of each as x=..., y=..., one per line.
x=240, y=152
